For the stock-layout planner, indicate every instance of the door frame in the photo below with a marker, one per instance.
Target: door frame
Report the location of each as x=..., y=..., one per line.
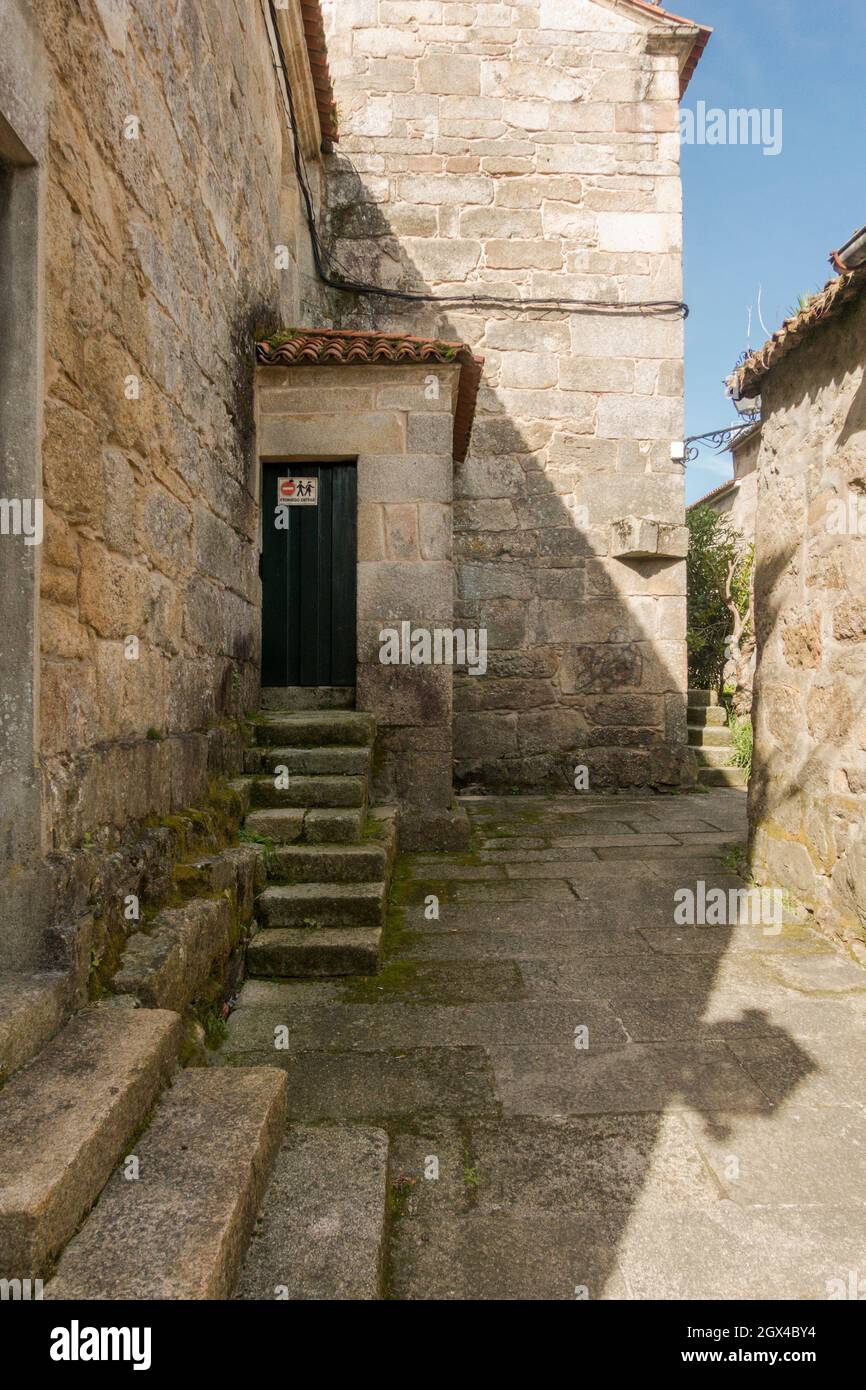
x=300, y=462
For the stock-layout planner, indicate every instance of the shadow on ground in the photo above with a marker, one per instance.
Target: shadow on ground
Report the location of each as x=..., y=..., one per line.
x=583, y=1098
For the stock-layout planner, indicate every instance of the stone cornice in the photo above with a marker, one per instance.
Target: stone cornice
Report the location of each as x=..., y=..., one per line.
x=292, y=35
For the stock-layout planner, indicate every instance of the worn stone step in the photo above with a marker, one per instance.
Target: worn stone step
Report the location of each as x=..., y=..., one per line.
x=68, y=1117
x=706, y=714
x=333, y=825
x=314, y=728
x=322, y=905
x=320, y=1234
x=310, y=791
x=710, y=736
x=712, y=757
x=356, y=863
x=703, y=697
x=287, y=824
x=32, y=1008
x=282, y=824
x=295, y=952
x=180, y=1230
x=285, y=698
x=337, y=760
x=167, y=966
x=722, y=777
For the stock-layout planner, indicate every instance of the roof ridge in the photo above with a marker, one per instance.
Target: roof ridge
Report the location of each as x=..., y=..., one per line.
x=824, y=305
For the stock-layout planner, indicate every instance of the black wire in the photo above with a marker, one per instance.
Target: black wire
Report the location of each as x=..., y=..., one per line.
x=651, y=308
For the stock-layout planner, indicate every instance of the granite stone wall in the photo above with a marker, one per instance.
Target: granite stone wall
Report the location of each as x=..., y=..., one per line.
x=166, y=198
x=171, y=229
x=530, y=150
x=808, y=790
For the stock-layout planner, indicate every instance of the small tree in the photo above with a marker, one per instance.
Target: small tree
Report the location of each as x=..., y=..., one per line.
x=719, y=569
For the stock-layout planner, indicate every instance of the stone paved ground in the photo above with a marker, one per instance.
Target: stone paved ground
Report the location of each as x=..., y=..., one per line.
x=709, y=1141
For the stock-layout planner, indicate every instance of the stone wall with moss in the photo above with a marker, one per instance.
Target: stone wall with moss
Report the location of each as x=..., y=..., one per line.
x=172, y=230
x=168, y=193
x=807, y=797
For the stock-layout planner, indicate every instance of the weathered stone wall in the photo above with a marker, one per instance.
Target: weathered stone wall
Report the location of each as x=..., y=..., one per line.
x=807, y=796
x=531, y=151
x=160, y=261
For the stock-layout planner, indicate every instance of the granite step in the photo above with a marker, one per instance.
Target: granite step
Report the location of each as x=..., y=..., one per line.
x=285, y=698
x=706, y=714
x=169, y=965
x=320, y=1234
x=356, y=863
x=349, y=905
x=300, y=952
x=181, y=1229
x=722, y=777
x=703, y=697
x=309, y=792
x=32, y=1008
x=315, y=728
x=713, y=757
x=288, y=824
x=709, y=736
x=338, y=760
x=68, y=1117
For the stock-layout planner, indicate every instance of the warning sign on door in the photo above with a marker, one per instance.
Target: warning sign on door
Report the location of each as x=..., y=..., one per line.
x=298, y=492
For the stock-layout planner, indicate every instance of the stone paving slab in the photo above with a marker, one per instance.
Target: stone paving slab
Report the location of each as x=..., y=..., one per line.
x=730, y=1015
x=344, y=1027
x=732, y=1252
x=582, y=1096
x=507, y=1256
x=760, y=1163
x=637, y=1078
x=384, y=1084
x=555, y=942
x=837, y=1064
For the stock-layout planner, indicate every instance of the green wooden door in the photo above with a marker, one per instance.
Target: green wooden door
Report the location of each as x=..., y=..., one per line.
x=308, y=569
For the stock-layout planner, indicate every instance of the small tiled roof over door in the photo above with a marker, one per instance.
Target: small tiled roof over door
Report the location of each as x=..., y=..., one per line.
x=336, y=347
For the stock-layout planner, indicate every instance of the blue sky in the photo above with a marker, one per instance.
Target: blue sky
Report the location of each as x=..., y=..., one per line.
x=754, y=221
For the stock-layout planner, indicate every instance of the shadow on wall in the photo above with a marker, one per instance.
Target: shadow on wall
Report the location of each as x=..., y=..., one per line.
x=576, y=675
x=579, y=671
x=809, y=768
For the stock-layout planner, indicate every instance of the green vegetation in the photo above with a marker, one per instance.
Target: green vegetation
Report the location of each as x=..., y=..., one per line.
x=719, y=570
x=741, y=737
x=249, y=837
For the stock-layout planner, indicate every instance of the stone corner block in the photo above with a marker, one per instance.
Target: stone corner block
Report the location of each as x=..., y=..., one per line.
x=637, y=538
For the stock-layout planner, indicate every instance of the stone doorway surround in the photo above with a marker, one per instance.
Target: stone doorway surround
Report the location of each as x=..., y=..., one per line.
x=402, y=408
x=24, y=891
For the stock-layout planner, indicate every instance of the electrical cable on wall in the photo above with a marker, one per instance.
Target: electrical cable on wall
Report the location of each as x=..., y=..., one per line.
x=650, y=308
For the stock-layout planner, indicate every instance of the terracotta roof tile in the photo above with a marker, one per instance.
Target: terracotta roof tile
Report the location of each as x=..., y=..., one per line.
x=335, y=347
x=314, y=30
x=825, y=306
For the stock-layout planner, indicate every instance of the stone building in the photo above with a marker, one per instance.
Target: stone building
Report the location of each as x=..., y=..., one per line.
x=490, y=409
x=809, y=768
x=737, y=499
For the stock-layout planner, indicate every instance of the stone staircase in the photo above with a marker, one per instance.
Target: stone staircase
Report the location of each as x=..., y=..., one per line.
x=328, y=857
x=710, y=738
x=125, y=1174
